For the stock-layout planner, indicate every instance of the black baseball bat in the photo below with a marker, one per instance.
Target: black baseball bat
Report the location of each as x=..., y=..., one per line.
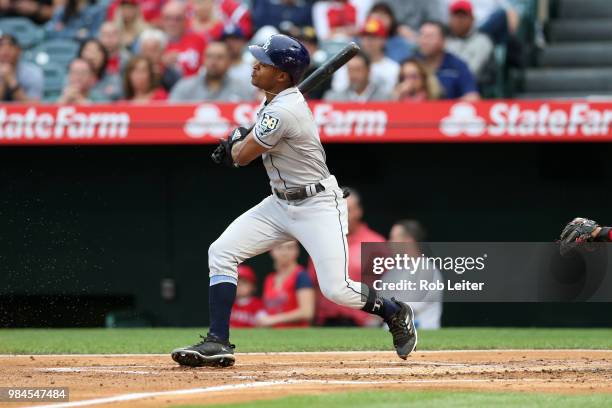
x=328, y=68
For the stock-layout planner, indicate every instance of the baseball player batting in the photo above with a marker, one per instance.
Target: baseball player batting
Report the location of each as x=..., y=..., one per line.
x=306, y=205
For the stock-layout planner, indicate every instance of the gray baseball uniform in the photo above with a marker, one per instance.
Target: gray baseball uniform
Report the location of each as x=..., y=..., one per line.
x=286, y=127
x=295, y=158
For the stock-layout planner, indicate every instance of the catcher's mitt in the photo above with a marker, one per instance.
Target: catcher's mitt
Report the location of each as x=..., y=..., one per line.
x=576, y=232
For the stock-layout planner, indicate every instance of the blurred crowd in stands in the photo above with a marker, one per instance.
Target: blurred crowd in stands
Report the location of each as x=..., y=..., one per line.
x=290, y=296
x=88, y=51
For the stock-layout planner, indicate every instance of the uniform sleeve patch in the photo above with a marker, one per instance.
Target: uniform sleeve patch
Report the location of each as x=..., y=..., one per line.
x=267, y=124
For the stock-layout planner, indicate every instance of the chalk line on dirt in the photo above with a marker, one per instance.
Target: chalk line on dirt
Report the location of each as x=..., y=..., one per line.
x=257, y=384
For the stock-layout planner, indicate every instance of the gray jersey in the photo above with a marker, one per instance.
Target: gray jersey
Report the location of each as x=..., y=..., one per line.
x=287, y=128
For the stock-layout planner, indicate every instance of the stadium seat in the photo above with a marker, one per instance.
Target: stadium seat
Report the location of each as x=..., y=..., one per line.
x=27, y=33
x=580, y=30
x=59, y=52
x=576, y=60
x=55, y=76
x=584, y=9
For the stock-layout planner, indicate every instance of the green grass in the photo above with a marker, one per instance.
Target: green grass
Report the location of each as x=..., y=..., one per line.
x=162, y=340
x=427, y=399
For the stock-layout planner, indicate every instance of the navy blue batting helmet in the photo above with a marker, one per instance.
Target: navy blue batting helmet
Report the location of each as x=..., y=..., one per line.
x=285, y=53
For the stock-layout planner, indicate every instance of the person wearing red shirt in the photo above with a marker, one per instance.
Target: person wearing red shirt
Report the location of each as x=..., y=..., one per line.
x=247, y=306
x=205, y=21
x=236, y=13
x=140, y=83
x=334, y=19
x=329, y=313
x=288, y=295
x=185, y=49
x=150, y=9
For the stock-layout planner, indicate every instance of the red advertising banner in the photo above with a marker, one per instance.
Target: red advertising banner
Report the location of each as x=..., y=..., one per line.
x=489, y=121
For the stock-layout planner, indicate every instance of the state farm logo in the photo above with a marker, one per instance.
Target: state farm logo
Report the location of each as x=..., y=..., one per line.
x=363, y=122
x=207, y=120
x=66, y=122
x=462, y=119
x=511, y=119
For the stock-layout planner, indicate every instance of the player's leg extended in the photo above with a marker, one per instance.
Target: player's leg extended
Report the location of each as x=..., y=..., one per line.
x=320, y=224
x=253, y=233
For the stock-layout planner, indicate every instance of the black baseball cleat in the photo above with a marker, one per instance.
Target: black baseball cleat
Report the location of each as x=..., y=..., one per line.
x=401, y=326
x=210, y=352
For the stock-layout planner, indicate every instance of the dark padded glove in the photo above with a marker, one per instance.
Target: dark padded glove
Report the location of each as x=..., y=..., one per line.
x=223, y=152
x=576, y=232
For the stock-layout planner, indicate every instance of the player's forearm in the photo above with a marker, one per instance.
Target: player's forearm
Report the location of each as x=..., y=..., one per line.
x=246, y=150
x=236, y=148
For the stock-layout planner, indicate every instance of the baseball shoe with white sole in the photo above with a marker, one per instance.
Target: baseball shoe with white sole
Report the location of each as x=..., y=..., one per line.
x=401, y=326
x=211, y=352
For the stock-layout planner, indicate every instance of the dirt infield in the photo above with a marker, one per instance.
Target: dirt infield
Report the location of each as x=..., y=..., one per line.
x=155, y=380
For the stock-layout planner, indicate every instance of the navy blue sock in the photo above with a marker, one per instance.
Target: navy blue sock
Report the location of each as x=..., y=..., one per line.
x=378, y=305
x=389, y=308
x=221, y=298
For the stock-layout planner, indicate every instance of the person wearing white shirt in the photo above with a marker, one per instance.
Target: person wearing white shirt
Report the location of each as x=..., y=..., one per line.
x=428, y=310
x=361, y=89
x=383, y=70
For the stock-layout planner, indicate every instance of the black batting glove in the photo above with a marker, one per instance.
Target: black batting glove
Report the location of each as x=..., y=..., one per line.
x=223, y=152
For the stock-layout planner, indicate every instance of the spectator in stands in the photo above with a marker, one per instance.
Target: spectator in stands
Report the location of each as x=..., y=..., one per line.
x=288, y=294
x=361, y=88
x=247, y=306
x=20, y=81
x=240, y=69
x=307, y=36
x=472, y=46
x=118, y=56
x=334, y=19
x=496, y=18
x=411, y=14
x=206, y=21
x=150, y=9
x=397, y=47
x=38, y=11
x=185, y=49
x=332, y=314
x=277, y=12
x=383, y=70
x=140, y=83
x=416, y=83
x=81, y=80
x=213, y=82
x=76, y=19
x=454, y=75
x=427, y=305
x=108, y=86
x=151, y=44
x=128, y=19
x=236, y=12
